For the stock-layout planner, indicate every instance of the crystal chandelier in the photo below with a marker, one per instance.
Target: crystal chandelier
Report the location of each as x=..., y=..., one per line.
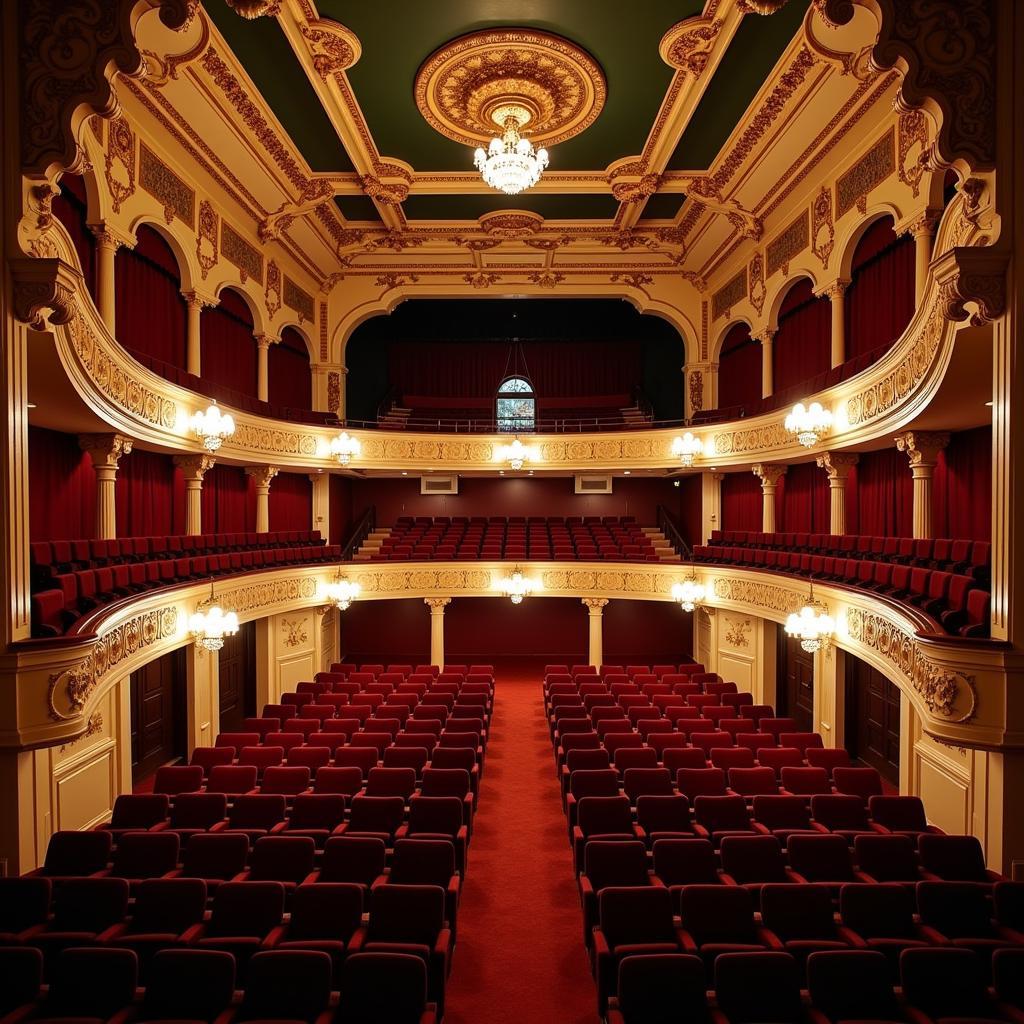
x=344, y=449
x=515, y=454
x=811, y=626
x=687, y=448
x=517, y=586
x=809, y=424
x=342, y=592
x=689, y=593
x=211, y=427
x=510, y=163
x=209, y=628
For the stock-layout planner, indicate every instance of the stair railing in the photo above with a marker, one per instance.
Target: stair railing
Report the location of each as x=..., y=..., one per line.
x=668, y=526
x=366, y=525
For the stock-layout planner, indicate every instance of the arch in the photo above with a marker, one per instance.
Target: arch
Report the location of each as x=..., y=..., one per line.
x=312, y=347
x=848, y=242
x=774, y=304
x=259, y=320
x=187, y=273
x=715, y=352
x=515, y=404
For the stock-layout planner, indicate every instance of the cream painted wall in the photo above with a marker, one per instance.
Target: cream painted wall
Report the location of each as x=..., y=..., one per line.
x=294, y=646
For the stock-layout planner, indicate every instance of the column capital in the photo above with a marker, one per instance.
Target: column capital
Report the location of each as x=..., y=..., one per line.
x=437, y=605
x=595, y=604
x=105, y=450
x=194, y=467
x=837, y=464
x=766, y=336
x=769, y=473
x=836, y=290
x=922, y=447
x=924, y=223
x=110, y=238
x=264, y=341
x=262, y=474
x=196, y=298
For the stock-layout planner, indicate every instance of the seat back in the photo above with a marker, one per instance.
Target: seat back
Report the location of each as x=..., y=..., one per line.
x=246, y=909
x=852, y=984
x=287, y=984
x=662, y=988
x=407, y=913
x=189, y=984
x=629, y=915
x=878, y=910
x=92, y=983
x=798, y=911
x=382, y=986
x=717, y=913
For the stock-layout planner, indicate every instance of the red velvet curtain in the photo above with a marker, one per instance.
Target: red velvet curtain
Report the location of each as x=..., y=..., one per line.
x=690, y=509
x=71, y=208
x=962, y=486
x=802, y=501
x=61, y=487
x=151, y=315
x=290, y=378
x=880, y=299
x=564, y=368
x=341, y=510
x=803, y=343
x=882, y=495
x=291, y=502
x=741, y=502
x=148, y=502
x=229, y=501
x=228, y=347
x=739, y=368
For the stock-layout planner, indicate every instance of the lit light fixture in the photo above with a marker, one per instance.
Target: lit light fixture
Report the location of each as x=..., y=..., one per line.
x=208, y=628
x=811, y=626
x=510, y=163
x=689, y=593
x=515, y=454
x=809, y=424
x=345, y=448
x=342, y=592
x=212, y=427
x=687, y=448
x=517, y=586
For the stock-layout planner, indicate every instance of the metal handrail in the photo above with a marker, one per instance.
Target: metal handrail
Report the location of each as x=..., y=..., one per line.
x=363, y=529
x=667, y=525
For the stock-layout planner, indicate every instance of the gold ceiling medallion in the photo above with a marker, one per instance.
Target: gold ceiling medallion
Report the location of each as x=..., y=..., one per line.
x=467, y=88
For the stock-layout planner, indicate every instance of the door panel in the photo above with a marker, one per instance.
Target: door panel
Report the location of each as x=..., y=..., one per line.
x=795, y=690
x=158, y=713
x=237, y=678
x=873, y=718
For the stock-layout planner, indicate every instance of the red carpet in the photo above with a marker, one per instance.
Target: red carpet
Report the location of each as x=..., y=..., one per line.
x=520, y=954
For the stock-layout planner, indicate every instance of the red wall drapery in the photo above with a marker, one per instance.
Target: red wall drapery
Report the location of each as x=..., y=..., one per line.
x=802, y=346
x=882, y=490
x=690, y=514
x=741, y=502
x=151, y=315
x=880, y=298
x=61, y=487
x=802, y=500
x=341, y=510
x=739, y=368
x=71, y=208
x=291, y=502
x=228, y=347
x=564, y=368
x=229, y=501
x=962, y=486
x=289, y=376
x=150, y=496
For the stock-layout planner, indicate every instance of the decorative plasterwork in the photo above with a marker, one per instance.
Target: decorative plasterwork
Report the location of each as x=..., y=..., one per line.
x=119, y=166
x=177, y=198
x=236, y=250
x=871, y=169
x=913, y=132
x=757, y=289
x=733, y=291
x=790, y=242
x=294, y=630
x=207, y=249
x=272, y=292
x=511, y=223
x=461, y=88
x=823, y=232
x=688, y=46
x=333, y=47
x=299, y=300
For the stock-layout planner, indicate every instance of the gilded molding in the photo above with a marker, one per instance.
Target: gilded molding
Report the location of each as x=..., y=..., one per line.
x=689, y=45
x=237, y=251
x=119, y=165
x=177, y=198
x=869, y=171
x=912, y=131
x=300, y=300
x=206, y=238
x=333, y=47
x=272, y=292
x=823, y=231
x=733, y=291
x=758, y=291
x=44, y=290
x=789, y=243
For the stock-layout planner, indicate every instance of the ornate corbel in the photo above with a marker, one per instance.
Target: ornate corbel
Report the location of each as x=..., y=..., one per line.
x=332, y=47
x=44, y=290
x=837, y=465
x=922, y=447
x=764, y=7
x=971, y=275
x=689, y=44
x=252, y=9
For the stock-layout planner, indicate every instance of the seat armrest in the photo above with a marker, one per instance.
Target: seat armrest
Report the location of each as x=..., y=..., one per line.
x=727, y=879
x=849, y=936
x=275, y=935
x=115, y=931
x=769, y=939
x=192, y=934
x=795, y=876
x=358, y=940
x=933, y=935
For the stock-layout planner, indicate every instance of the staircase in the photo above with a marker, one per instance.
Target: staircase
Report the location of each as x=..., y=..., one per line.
x=371, y=546
x=664, y=549
x=634, y=416
x=396, y=418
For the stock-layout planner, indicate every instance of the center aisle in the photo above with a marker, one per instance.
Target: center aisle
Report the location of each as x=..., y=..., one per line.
x=520, y=956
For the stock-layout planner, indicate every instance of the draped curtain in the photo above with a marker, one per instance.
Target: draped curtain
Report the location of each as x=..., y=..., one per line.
x=340, y=511
x=290, y=378
x=228, y=347
x=741, y=502
x=803, y=343
x=291, y=502
x=563, y=368
x=802, y=500
x=61, y=487
x=962, y=486
x=880, y=298
x=229, y=501
x=739, y=368
x=151, y=315
x=884, y=495
x=71, y=208
x=690, y=511
x=150, y=496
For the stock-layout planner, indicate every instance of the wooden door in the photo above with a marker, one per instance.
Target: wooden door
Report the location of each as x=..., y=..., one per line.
x=158, y=713
x=795, y=689
x=873, y=718
x=237, y=678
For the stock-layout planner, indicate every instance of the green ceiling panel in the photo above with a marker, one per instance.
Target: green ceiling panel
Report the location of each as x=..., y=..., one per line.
x=755, y=50
x=268, y=58
x=551, y=207
x=663, y=206
x=357, y=208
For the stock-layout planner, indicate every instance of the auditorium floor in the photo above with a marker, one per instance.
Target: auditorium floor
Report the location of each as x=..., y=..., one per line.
x=520, y=954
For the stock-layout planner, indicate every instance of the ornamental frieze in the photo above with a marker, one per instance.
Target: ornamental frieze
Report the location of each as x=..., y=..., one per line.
x=770, y=435
x=761, y=595
x=257, y=596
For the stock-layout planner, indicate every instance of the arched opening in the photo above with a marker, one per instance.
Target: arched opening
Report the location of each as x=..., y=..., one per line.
x=515, y=406
x=71, y=207
x=228, y=347
x=739, y=370
x=289, y=378
x=802, y=347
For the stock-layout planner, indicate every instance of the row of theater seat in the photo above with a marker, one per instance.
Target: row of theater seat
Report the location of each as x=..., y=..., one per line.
x=956, y=600
x=682, y=864
x=587, y=537
x=68, y=594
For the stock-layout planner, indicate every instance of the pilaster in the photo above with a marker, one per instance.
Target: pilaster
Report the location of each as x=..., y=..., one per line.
x=437, y=606
x=701, y=388
x=923, y=230
x=710, y=504
x=263, y=343
x=105, y=450
x=595, y=617
x=321, y=482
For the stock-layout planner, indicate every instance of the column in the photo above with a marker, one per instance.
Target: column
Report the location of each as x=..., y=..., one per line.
x=767, y=337
x=193, y=468
x=923, y=230
x=838, y=466
x=922, y=448
x=107, y=245
x=321, y=482
x=595, y=648
x=263, y=344
x=769, y=474
x=701, y=388
x=105, y=450
x=262, y=475
x=710, y=505
x=193, y=357
x=437, y=606
x=836, y=293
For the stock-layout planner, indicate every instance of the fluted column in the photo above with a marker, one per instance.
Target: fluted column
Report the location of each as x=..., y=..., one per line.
x=836, y=293
x=262, y=475
x=194, y=468
x=437, y=606
x=193, y=350
x=107, y=244
x=923, y=230
x=769, y=474
x=595, y=648
x=922, y=449
x=263, y=344
x=767, y=338
x=105, y=450
x=838, y=466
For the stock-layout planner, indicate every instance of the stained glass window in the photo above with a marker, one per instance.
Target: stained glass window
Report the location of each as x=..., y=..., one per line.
x=515, y=406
